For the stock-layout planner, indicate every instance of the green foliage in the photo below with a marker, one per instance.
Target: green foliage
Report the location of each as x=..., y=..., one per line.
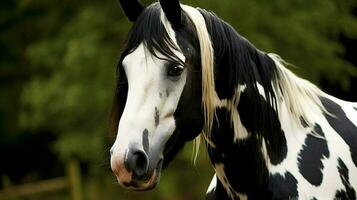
x=68, y=52
x=71, y=92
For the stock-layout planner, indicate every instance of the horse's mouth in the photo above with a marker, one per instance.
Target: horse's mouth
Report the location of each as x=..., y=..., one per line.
x=144, y=183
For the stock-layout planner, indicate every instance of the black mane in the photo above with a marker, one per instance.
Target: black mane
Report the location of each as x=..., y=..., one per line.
x=238, y=62
x=234, y=54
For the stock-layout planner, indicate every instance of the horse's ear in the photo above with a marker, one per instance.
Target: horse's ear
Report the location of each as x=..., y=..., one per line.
x=172, y=10
x=132, y=8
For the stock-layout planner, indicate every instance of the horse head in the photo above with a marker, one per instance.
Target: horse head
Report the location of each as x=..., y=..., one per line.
x=158, y=101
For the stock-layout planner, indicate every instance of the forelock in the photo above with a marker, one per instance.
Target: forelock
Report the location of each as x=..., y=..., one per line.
x=150, y=30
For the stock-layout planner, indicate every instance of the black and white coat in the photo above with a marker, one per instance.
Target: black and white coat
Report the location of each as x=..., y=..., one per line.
x=269, y=133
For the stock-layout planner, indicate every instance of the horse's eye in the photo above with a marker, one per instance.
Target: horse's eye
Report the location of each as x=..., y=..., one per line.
x=174, y=71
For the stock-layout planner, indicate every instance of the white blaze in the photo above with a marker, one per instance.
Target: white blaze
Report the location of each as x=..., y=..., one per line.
x=150, y=91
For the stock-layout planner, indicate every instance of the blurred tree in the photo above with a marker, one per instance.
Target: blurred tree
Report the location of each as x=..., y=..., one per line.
x=58, y=63
x=72, y=93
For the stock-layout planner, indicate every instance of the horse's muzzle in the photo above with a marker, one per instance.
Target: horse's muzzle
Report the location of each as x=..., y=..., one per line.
x=133, y=170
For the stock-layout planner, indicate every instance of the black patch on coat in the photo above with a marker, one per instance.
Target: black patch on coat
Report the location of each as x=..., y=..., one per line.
x=342, y=125
x=303, y=122
x=349, y=192
x=310, y=157
x=218, y=193
x=355, y=108
x=341, y=195
x=157, y=117
x=283, y=187
x=245, y=174
x=314, y=198
x=146, y=140
x=259, y=117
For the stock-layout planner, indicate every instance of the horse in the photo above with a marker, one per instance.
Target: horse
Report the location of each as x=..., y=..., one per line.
x=270, y=134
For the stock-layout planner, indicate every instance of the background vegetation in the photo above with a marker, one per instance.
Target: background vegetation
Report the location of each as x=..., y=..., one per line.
x=57, y=73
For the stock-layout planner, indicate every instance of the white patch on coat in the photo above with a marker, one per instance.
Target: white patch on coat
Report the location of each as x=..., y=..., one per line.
x=261, y=90
x=350, y=108
x=213, y=184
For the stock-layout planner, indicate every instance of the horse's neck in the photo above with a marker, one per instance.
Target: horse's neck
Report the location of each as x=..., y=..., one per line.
x=245, y=137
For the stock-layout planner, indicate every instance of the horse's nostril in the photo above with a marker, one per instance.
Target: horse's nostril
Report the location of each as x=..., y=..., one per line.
x=137, y=162
x=140, y=160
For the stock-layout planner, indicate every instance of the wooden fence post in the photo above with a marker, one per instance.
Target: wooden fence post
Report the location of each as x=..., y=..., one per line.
x=5, y=180
x=74, y=178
